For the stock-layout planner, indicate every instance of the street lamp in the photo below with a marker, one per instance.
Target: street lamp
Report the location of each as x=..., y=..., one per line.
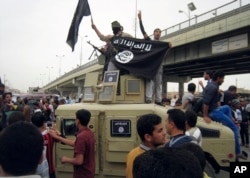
x=81, y=47
x=191, y=7
x=49, y=67
x=60, y=62
x=181, y=11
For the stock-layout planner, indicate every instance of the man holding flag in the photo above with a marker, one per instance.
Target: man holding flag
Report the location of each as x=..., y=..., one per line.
x=117, y=31
x=157, y=80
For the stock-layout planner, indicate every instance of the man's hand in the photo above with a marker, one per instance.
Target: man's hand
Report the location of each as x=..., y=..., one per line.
x=64, y=159
x=207, y=119
x=54, y=133
x=201, y=83
x=139, y=15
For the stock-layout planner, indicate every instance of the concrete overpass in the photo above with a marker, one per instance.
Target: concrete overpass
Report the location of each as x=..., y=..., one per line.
x=216, y=40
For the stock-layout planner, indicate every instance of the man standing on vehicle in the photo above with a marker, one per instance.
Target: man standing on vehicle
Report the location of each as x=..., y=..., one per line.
x=151, y=133
x=157, y=81
x=84, y=147
x=117, y=31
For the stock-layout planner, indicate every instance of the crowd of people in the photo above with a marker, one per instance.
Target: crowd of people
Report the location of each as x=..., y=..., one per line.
x=179, y=156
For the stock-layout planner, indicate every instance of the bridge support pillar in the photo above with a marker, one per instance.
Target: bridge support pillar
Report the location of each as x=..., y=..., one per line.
x=175, y=78
x=164, y=86
x=79, y=88
x=181, y=89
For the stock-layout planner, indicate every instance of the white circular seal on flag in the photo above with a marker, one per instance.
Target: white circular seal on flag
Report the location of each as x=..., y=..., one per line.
x=124, y=56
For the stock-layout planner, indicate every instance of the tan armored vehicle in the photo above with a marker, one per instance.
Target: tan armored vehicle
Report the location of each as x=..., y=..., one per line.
x=114, y=115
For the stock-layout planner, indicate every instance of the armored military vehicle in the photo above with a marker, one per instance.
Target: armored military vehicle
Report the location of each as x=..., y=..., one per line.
x=115, y=108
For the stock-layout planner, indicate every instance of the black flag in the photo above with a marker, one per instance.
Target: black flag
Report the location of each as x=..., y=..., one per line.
x=82, y=9
x=139, y=57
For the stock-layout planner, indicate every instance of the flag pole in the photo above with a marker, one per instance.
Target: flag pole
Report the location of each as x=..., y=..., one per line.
x=135, y=17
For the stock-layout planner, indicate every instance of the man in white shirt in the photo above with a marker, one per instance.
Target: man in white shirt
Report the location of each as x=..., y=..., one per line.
x=188, y=98
x=191, y=129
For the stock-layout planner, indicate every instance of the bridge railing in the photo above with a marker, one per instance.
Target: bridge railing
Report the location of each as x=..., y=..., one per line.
x=82, y=67
x=206, y=16
x=178, y=27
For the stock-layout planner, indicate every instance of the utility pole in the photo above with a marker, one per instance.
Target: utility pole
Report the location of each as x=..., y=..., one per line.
x=60, y=63
x=135, y=17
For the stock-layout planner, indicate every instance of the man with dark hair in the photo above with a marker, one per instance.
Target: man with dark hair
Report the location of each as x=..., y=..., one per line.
x=188, y=98
x=212, y=110
x=47, y=168
x=84, y=147
x=156, y=83
x=117, y=29
x=15, y=117
x=7, y=109
x=175, y=126
x=21, y=146
x=191, y=129
x=229, y=95
x=198, y=153
x=198, y=106
x=244, y=124
x=207, y=75
x=151, y=133
x=170, y=163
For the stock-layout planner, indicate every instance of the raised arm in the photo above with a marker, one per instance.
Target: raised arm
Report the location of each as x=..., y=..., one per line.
x=99, y=34
x=145, y=35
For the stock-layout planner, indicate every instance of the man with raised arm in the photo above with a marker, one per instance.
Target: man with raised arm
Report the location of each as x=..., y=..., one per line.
x=157, y=81
x=117, y=31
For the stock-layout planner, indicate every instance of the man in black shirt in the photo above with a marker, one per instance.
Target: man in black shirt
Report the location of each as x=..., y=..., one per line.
x=175, y=126
x=213, y=111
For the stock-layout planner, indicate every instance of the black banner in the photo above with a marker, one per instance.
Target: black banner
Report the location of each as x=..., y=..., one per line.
x=139, y=57
x=82, y=9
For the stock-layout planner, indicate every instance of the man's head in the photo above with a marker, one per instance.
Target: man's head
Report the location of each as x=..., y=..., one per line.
x=116, y=27
x=175, y=122
x=157, y=34
x=38, y=119
x=218, y=77
x=208, y=74
x=191, y=87
x=150, y=130
x=15, y=117
x=7, y=97
x=35, y=105
x=235, y=104
x=167, y=162
x=243, y=102
x=191, y=118
x=197, y=151
x=82, y=117
x=232, y=89
x=21, y=146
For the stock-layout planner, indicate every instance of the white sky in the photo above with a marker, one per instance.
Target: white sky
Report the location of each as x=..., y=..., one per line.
x=33, y=32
